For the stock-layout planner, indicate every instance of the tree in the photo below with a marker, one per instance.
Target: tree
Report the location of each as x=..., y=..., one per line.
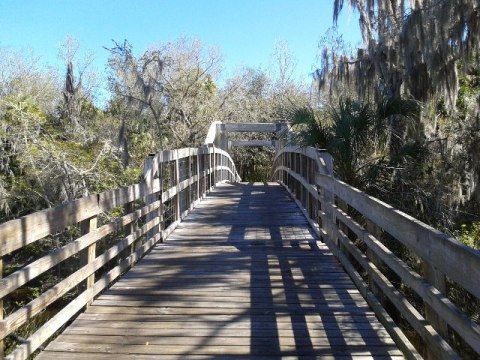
x=191, y=73
x=356, y=134
x=139, y=83
x=27, y=96
x=80, y=81
x=412, y=49
x=424, y=51
x=171, y=87
x=44, y=162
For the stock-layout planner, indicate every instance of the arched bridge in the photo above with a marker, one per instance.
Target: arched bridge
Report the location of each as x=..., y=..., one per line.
x=191, y=263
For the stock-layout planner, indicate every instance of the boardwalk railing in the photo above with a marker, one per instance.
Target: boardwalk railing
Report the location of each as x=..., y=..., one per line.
x=398, y=262
x=107, y=233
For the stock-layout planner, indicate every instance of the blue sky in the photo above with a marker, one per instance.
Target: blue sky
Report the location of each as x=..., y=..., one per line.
x=245, y=31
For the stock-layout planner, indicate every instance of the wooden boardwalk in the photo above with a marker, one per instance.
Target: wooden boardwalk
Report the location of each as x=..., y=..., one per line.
x=243, y=276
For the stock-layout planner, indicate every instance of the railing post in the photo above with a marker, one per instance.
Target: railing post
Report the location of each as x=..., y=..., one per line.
x=177, y=178
x=214, y=171
x=325, y=167
x=88, y=254
x=129, y=208
x=160, y=212
x=149, y=175
x=437, y=279
x=331, y=218
x=376, y=232
x=198, y=174
x=191, y=192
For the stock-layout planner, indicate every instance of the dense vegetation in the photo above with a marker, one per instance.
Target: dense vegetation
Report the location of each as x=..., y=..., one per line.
x=57, y=144
x=401, y=116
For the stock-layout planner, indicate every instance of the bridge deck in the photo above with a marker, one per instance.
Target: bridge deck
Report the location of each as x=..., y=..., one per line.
x=242, y=277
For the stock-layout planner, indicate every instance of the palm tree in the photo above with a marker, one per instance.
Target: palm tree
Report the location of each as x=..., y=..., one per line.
x=356, y=134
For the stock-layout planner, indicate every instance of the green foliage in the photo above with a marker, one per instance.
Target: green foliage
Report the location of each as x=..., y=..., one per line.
x=253, y=164
x=357, y=135
x=469, y=234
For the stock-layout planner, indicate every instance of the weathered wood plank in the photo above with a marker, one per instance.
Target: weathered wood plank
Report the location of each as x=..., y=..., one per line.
x=287, y=338
x=195, y=328
x=254, y=143
x=20, y=232
x=249, y=127
x=18, y=318
x=222, y=349
x=435, y=343
x=36, y=268
x=440, y=304
x=462, y=263
x=271, y=289
x=61, y=355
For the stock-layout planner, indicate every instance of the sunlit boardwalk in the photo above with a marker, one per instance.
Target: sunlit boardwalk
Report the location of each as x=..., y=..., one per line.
x=243, y=276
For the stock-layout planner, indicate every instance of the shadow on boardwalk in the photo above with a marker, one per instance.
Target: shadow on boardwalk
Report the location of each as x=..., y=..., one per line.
x=242, y=277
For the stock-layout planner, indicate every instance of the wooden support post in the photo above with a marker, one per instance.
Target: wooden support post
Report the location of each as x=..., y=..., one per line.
x=88, y=254
x=129, y=208
x=223, y=138
x=437, y=279
x=201, y=171
x=177, y=179
x=149, y=174
x=199, y=195
x=160, y=211
x=329, y=219
x=214, y=171
x=342, y=205
x=190, y=187
x=376, y=231
x=209, y=169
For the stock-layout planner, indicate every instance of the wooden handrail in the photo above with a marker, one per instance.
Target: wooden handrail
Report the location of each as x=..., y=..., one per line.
x=345, y=217
x=173, y=181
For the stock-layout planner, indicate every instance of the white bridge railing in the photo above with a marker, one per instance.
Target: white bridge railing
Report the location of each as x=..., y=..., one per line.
x=368, y=236
x=107, y=234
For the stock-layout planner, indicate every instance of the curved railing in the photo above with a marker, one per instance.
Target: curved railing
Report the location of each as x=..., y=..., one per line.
x=366, y=235
x=108, y=233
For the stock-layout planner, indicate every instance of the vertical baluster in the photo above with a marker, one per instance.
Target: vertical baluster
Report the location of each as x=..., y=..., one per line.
x=325, y=167
x=342, y=205
x=208, y=158
x=149, y=174
x=376, y=231
x=88, y=254
x=177, y=179
x=197, y=173
x=309, y=196
x=214, y=168
x=161, y=208
x=191, y=185
x=129, y=208
x=437, y=279
x=201, y=172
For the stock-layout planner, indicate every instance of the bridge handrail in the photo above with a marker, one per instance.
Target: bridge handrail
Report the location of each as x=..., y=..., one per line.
x=173, y=182
x=352, y=224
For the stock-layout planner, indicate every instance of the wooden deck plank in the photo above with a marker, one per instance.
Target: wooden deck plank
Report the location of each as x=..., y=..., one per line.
x=183, y=351
x=237, y=331
x=58, y=355
x=243, y=276
x=187, y=323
